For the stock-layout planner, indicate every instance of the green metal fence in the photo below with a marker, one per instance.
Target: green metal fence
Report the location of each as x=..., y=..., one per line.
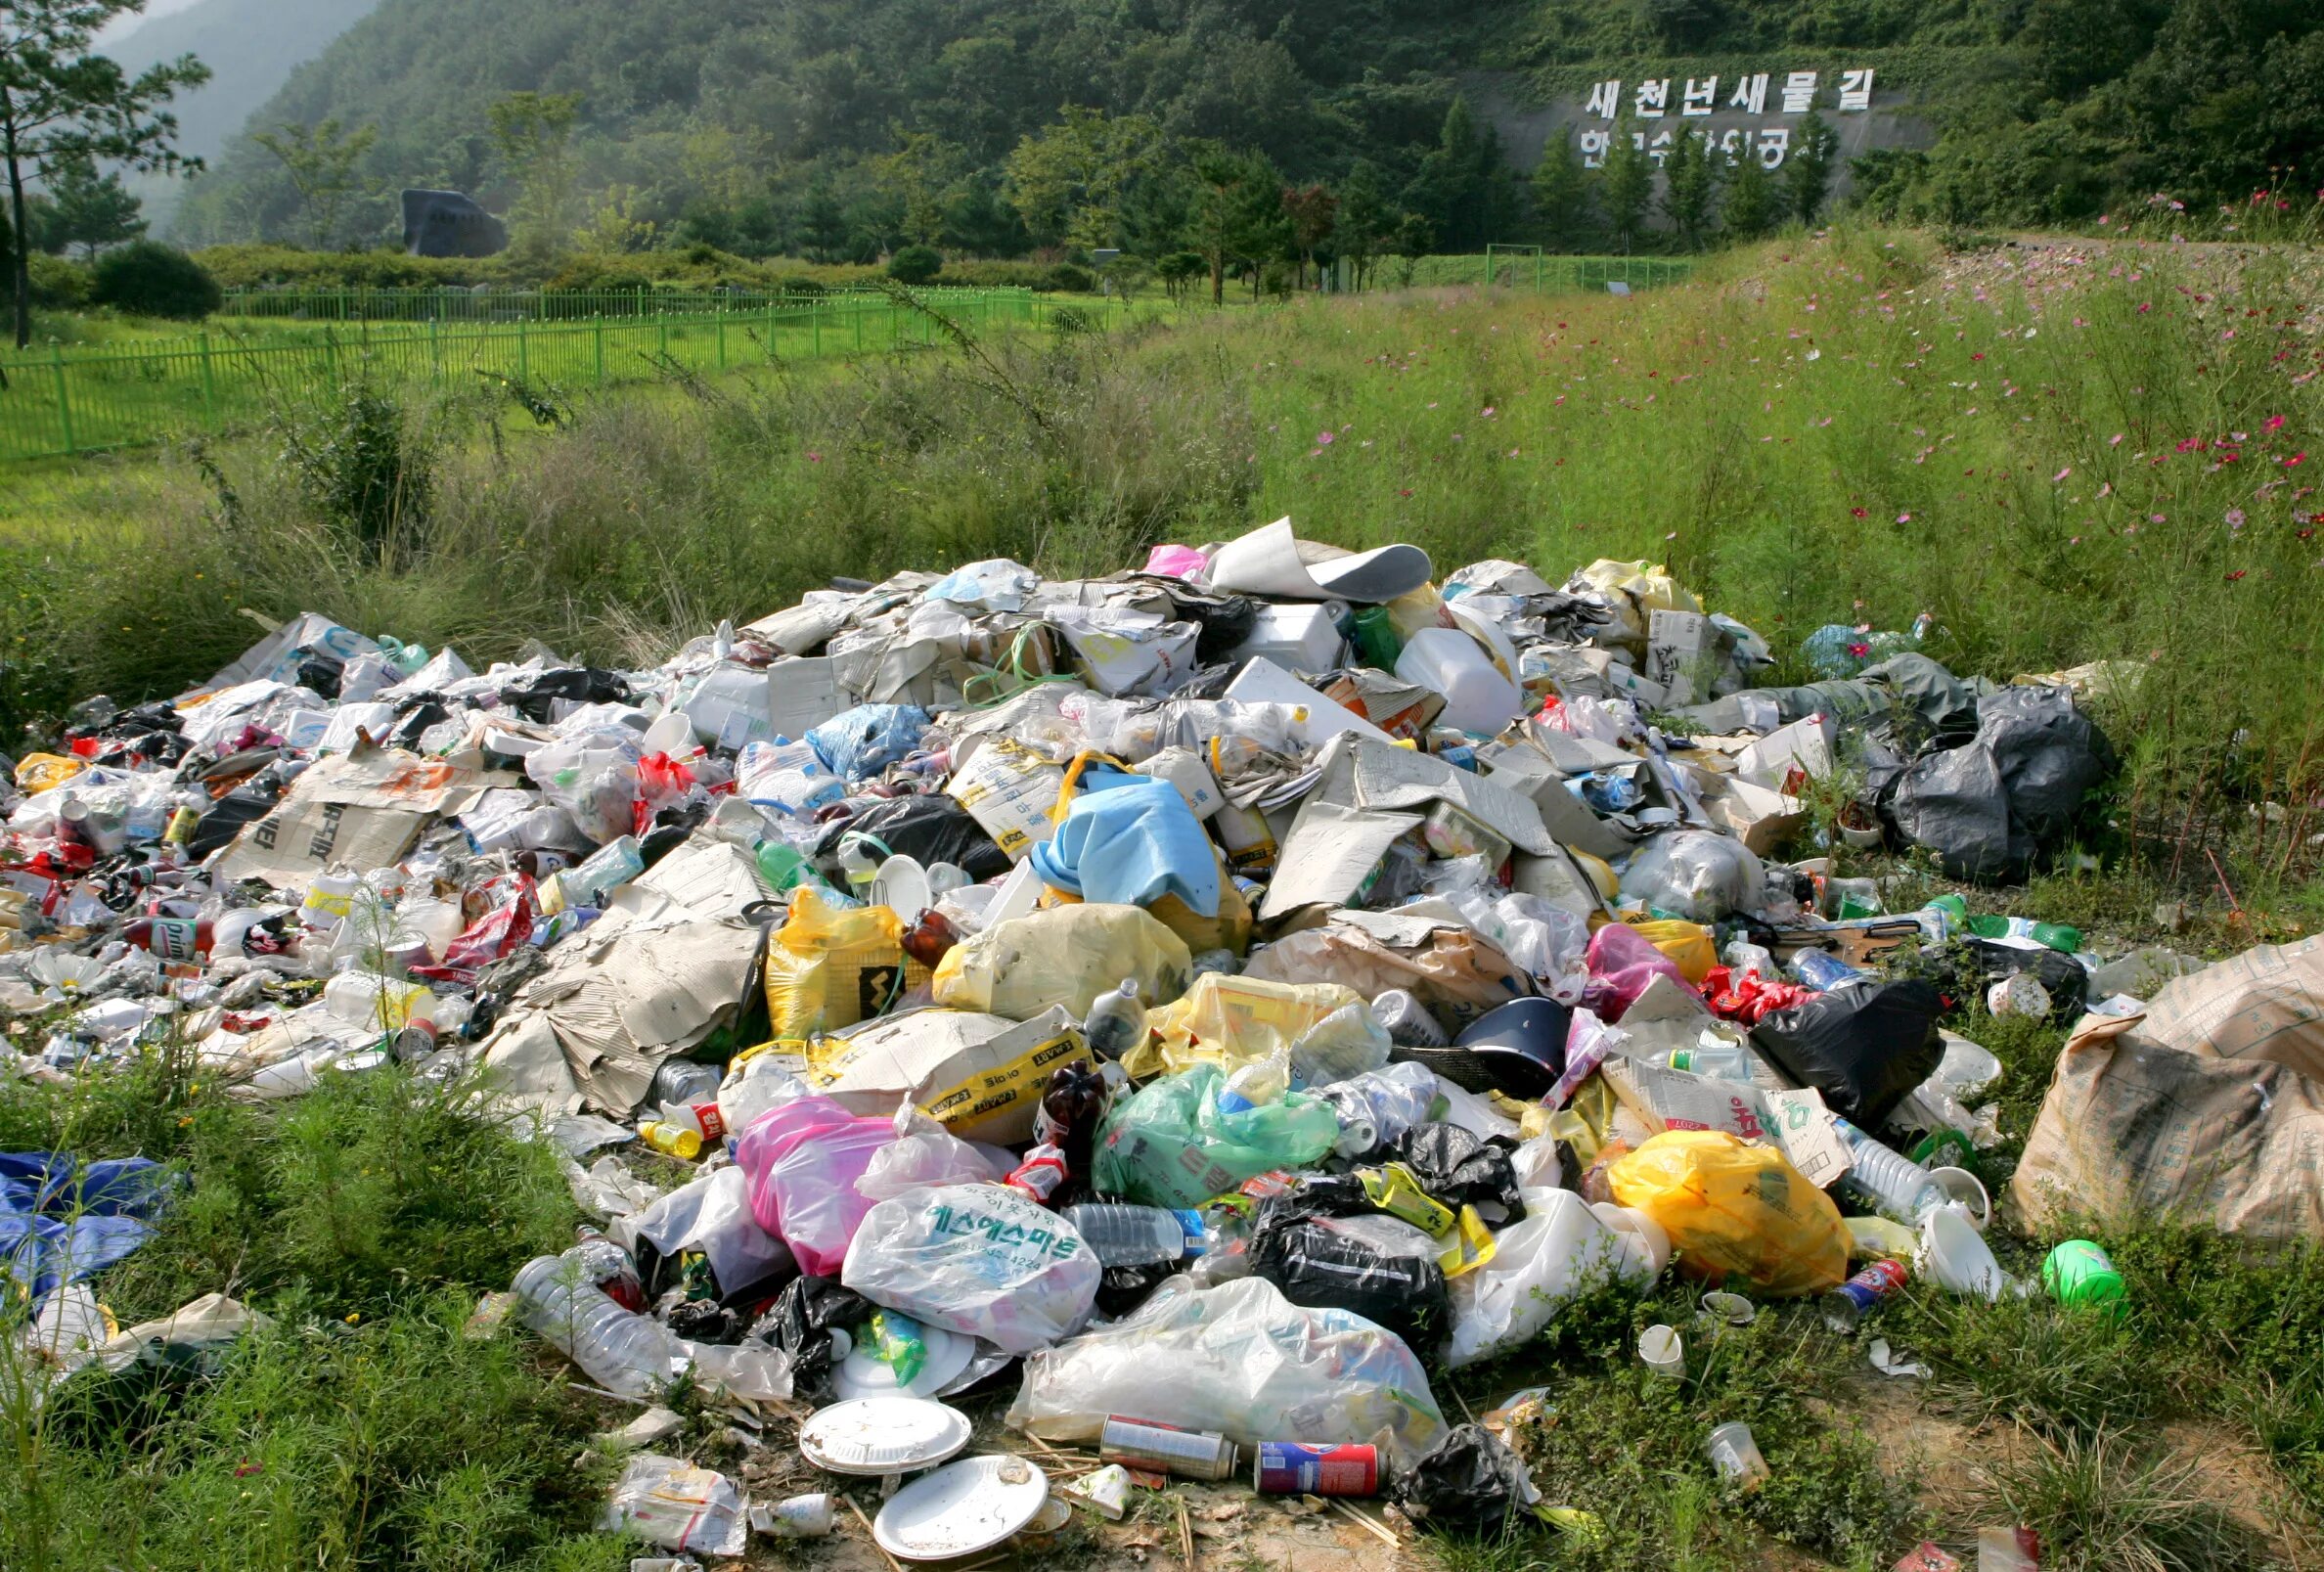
x=1502, y=268
x=495, y=303
x=65, y=402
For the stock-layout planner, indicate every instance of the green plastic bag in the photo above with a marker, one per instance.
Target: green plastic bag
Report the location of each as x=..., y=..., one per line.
x=1170, y=1146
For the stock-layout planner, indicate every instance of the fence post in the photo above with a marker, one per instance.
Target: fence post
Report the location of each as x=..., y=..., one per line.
x=661, y=326
x=857, y=311
x=435, y=347
x=722, y=365
x=524, y=360
x=210, y=390
x=601, y=349
x=63, y=400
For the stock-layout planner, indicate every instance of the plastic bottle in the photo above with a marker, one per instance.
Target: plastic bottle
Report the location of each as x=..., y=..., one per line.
x=1744, y=957
x=2057, y=935
x=1885, y=1180
x=623, y=1351
x=787, y=776
x=704, y=1118
x=1116, y=1022
x=1136, y=1235
x=1067, y=1115
x=1259, y=1081
x=671, y=1140
x=603, y=871
x=608, y=1268
x=381, y=1004
x=1041, y=1175
x=1823, y=971
x=1408, y=1021
x=781, y=865
x=172, y=938
x=1719, y=1064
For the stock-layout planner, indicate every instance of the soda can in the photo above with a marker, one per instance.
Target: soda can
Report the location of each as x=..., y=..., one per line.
x=1857, y=1298
x=1295, y=1468
x=1154, y=1448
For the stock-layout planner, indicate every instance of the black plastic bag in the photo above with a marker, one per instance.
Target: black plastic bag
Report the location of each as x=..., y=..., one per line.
x=2061, y=976
x=1863, y=1046
x=932, y=828
x=1990, y=806
x=801, y=1325
x=1469, y=1479
x=1379, y=1268
x=1459, y=1167
x=534, y=694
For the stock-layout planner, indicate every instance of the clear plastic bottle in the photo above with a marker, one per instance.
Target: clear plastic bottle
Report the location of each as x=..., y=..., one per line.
x=1744, y=957
x=1116, y=1022
x=1731, y=1064
x=1885, y=1180
x=621, y=1351
x=1136, y=1235
x=1259, y=1081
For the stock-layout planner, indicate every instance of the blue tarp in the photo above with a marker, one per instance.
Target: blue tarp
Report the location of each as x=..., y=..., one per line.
x=62, y=1221
x=1129, y=840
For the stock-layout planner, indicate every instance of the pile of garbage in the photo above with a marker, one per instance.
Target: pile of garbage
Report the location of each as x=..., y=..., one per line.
x=1270, y=966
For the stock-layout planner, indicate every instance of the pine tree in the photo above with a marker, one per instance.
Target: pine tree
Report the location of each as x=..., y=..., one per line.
x=88, y=209
x=1561, y=192
x=1625, y=183
x=1450, y=190
x=1688, y=180
x=1808, y=170
x=1749, y=206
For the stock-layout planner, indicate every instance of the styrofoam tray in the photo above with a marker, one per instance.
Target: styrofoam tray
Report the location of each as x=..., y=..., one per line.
x=882, y=1435
x=960, y=1509
x=861, y=1374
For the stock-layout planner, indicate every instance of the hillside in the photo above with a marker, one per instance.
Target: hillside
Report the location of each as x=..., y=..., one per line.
x=754, y=125
x=251, y=47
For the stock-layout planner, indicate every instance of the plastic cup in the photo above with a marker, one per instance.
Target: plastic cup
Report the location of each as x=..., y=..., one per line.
x=1964, y=1186
x=801, y=1518
x=1736, y=1456
x=1724, y=1309
x=1663, y=1351
x=1956, y=1258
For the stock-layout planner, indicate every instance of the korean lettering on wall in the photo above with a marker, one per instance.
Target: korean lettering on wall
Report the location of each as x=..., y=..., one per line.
x=1660, y=105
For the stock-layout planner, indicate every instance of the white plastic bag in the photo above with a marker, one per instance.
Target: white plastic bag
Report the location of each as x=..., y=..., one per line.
x=711, y=1214
x=1695, y=876
x=923, y=1156
x=1561, y=1249
x=980, y=1259
x=1241, y=1358
x=670, y=1503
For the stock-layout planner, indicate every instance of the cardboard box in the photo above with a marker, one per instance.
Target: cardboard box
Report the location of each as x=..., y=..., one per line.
x=980, y=1076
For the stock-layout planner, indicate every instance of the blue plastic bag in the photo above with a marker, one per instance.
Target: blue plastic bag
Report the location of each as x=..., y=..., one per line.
x=1129, y=840
x=862, y=741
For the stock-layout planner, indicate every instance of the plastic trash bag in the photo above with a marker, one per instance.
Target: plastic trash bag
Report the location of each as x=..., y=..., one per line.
x=1462, y=1169
x=670, y=1503
x=858, y=744
x=1390, y=1099
x=1131, y=840
x=929, y=828
x=803, y=1160
x=1170, y=1145
x=1688, y=946
x=1736, y=1211
x=1240, y=1358
x=983, y=1260
x=923, y=1155
x=831, y=965
x=1863, y=1046
x=713, y=1214
x=1469, y=1479
x=1695, y=875
x=1623, y=962
x=1380, y=1267
x=805, y=1314
x=1345, y=1043
x=1562, y=1248
x=1232, y=1020
x=1066, y=956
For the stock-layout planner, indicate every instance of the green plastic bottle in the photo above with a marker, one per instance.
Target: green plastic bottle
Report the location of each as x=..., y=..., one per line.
x=1376, y=642
x=781, y=865
x=2057, y=935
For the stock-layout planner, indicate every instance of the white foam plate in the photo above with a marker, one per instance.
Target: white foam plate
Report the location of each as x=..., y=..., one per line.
x=859, y=1374
x=882, y=1435
x=901, y=885
x=961, y=1509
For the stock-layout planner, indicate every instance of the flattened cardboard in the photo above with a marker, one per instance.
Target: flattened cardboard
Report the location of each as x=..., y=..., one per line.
x=366, y=809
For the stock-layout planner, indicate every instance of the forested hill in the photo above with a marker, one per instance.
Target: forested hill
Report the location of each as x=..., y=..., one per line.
x=250, y=46
x=751, y=122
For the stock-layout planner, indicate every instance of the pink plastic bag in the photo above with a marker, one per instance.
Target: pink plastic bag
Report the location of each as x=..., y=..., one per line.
x=803, y=1160
x=1177, y=562
x=1621, y=963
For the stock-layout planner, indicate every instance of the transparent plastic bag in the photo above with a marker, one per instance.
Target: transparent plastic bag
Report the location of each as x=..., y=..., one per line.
x=1561, y=1249
x=1170, y=1145
x=1241, y=1358
x=671, y=1503
x=924, y=1154
x=1346, y=1043
x=1695, y=875
x=982, y=1260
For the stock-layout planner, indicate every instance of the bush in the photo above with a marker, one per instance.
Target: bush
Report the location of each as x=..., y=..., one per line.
x=1066, y=278
x=915, y=264
x=149, y=279
x=58, y=284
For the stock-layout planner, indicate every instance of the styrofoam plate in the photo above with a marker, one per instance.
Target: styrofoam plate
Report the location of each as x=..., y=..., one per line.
x=901, y=885
x=960, y=1509
x=859, y=1374
x=882, y=1435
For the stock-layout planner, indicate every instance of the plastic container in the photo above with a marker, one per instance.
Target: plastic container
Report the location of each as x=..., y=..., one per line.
x=1736, y=1455
x=1823, y=971
x=437, y=923
x=1478, y=699
x=1122, y=1236
x=1304, y=638
x=369, y=1001
x=1720, y=1064
x=2079, y=1272
x=1956, y=1258
x=1116, y=1022
x=1664, y=1351
x=671, y=1140
x=623, y=1351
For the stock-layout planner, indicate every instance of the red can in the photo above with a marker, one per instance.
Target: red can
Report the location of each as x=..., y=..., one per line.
x=1296, y=1468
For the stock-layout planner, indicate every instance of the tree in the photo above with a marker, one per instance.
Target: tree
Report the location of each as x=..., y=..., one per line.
x=534, y=133
x=916, y=264
x=1178, y=272
x=919, y=174
x=1808, y=170
x=1364, y=219
x=1625, y=181
x=1749, y=208
x=87, y=209
x=320, y=160
x=1561, y=190
x=1067, y=179
x=1237, y=210
x=823, y=222
x=1414, y=236
x=1312, y=214
x=151, y=280
x=1464, y=186
x=1689, y=179
x=60, y=99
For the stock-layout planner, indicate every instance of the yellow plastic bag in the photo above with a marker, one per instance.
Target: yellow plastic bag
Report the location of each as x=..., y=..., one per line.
x=1065, y=955
x=831, y=965
x=1686, y=943
x=1735, y=1210
x=43, y=772
x=1228, y=1021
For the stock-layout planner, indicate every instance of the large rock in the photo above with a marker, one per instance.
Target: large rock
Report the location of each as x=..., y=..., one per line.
x=446, y=223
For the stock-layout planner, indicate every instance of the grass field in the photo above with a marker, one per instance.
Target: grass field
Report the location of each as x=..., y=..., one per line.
x=2066, y=455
